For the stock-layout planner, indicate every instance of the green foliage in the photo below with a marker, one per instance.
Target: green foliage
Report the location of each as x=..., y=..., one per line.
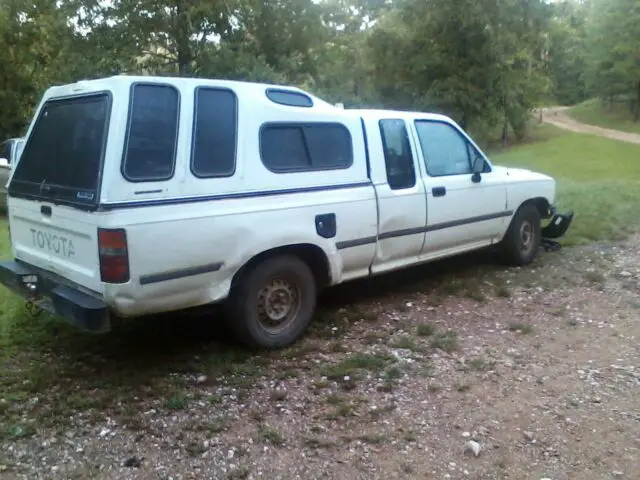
x=613, y=70
x=486, y=63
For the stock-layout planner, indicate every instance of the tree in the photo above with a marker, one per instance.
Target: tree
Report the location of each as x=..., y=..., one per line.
x=613, y=30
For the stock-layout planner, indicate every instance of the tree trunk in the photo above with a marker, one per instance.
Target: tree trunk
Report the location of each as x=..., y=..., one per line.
x=182, y=32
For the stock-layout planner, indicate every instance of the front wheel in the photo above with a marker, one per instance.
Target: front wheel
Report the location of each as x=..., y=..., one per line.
x=273, y=303
x=521, y=243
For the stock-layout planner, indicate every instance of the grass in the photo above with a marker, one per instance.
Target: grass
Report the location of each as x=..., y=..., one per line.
x=425, y=330
x=270, y=435
x=524, y=328
x=445, y=341
x=350, y=366
x=596, y=177
x=594, y=112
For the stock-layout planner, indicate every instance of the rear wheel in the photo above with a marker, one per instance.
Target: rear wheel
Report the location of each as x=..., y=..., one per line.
x=521, y=243
x=273, y=303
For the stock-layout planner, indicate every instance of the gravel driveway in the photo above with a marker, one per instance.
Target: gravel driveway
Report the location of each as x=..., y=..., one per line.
x=457, y=370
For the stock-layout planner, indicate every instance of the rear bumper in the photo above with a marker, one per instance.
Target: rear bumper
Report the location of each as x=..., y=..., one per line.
x=78, y=308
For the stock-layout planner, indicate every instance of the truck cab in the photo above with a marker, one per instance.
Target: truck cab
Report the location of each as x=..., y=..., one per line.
x=141, y=195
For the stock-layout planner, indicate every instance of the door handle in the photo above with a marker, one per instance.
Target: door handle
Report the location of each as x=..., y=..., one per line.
x=439, y=191
x=45, y=210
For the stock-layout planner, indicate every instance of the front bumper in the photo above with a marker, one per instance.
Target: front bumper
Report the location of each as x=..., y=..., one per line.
x=78, y=308
x=558, y=225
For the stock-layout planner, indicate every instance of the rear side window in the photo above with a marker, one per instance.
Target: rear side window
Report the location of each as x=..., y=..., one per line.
x=397, y=154
x=5, y=150
x=295, y=147
x=214, y=133
x=152, y=134
x=62, y=159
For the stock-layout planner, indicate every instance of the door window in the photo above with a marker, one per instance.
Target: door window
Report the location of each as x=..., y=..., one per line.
x=444, y=149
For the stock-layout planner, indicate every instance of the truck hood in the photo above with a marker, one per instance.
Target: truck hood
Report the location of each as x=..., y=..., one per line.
x=521, y=173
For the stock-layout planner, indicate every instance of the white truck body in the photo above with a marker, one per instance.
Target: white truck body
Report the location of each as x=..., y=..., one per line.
x=140, y=195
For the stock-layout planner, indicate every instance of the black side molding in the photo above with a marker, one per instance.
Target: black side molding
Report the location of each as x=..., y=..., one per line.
x=182, y=273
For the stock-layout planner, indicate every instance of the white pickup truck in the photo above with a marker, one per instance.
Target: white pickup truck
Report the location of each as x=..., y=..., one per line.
x=139, y=195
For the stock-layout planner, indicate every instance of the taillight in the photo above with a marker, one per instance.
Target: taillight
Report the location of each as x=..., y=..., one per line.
x=114, y=257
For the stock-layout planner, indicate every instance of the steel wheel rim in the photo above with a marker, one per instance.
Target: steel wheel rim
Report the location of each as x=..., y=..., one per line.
x=279, y=302
x=527, y=236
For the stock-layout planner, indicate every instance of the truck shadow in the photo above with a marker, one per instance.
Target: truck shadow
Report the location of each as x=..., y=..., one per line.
x=164, y=353
x=204, y=330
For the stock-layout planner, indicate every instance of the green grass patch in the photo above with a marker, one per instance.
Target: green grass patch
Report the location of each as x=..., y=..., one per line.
x=598, y=178
x=594, y=112
x=425, y=329
x=351, y=365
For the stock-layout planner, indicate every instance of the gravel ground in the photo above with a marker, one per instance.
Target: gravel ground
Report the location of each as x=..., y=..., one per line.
x=479, y=373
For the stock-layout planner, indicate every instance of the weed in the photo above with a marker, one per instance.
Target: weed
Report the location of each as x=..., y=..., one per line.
x=462, y=387
x=287, y=373
x=405, y=342
x=409, y=435
x=316, y=442
x=372, y=338
x=177, y=401
x=503, y=291
x=342, y=410
x=523, y=328
x=270, y=435
x=425, y=329
x=278, y=395
x=337, y=347
x=476, y=294
x=373, y=439
x=479, y=364
x=194, y=449
x=335, y=399
x=434, y=388
x=445, y=341
x=320, y=384
x=355, y=362
x=595, y=277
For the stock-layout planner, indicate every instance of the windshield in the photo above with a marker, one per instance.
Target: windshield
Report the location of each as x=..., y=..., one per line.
x=62, y=159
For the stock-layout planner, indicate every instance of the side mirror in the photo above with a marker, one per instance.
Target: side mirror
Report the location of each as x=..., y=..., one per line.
x=4, y=163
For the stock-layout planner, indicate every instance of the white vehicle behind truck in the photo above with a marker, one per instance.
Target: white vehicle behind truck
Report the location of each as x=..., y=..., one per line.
x=141, y=195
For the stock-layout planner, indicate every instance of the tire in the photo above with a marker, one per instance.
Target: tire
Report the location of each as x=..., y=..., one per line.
x=521, y=243
x=273, y=303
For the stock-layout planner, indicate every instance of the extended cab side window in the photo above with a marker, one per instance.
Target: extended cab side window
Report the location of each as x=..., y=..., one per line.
x=152, y=134
x=397, y=154
x=304, y=147
x=445, y=151
x=214, y=133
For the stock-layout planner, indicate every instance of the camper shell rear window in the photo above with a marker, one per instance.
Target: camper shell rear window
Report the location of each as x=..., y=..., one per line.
x=63, y=156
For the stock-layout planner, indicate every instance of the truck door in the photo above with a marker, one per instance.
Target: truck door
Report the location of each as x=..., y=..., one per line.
x=402, y=208
x=465, y=211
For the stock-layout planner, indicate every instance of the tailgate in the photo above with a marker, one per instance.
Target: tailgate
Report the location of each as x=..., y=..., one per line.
x=58, y=239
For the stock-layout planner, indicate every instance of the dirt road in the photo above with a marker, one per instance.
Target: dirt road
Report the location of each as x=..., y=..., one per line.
x=558, y=116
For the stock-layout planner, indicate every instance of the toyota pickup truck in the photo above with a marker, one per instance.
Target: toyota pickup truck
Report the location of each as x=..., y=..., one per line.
x=140, y=195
